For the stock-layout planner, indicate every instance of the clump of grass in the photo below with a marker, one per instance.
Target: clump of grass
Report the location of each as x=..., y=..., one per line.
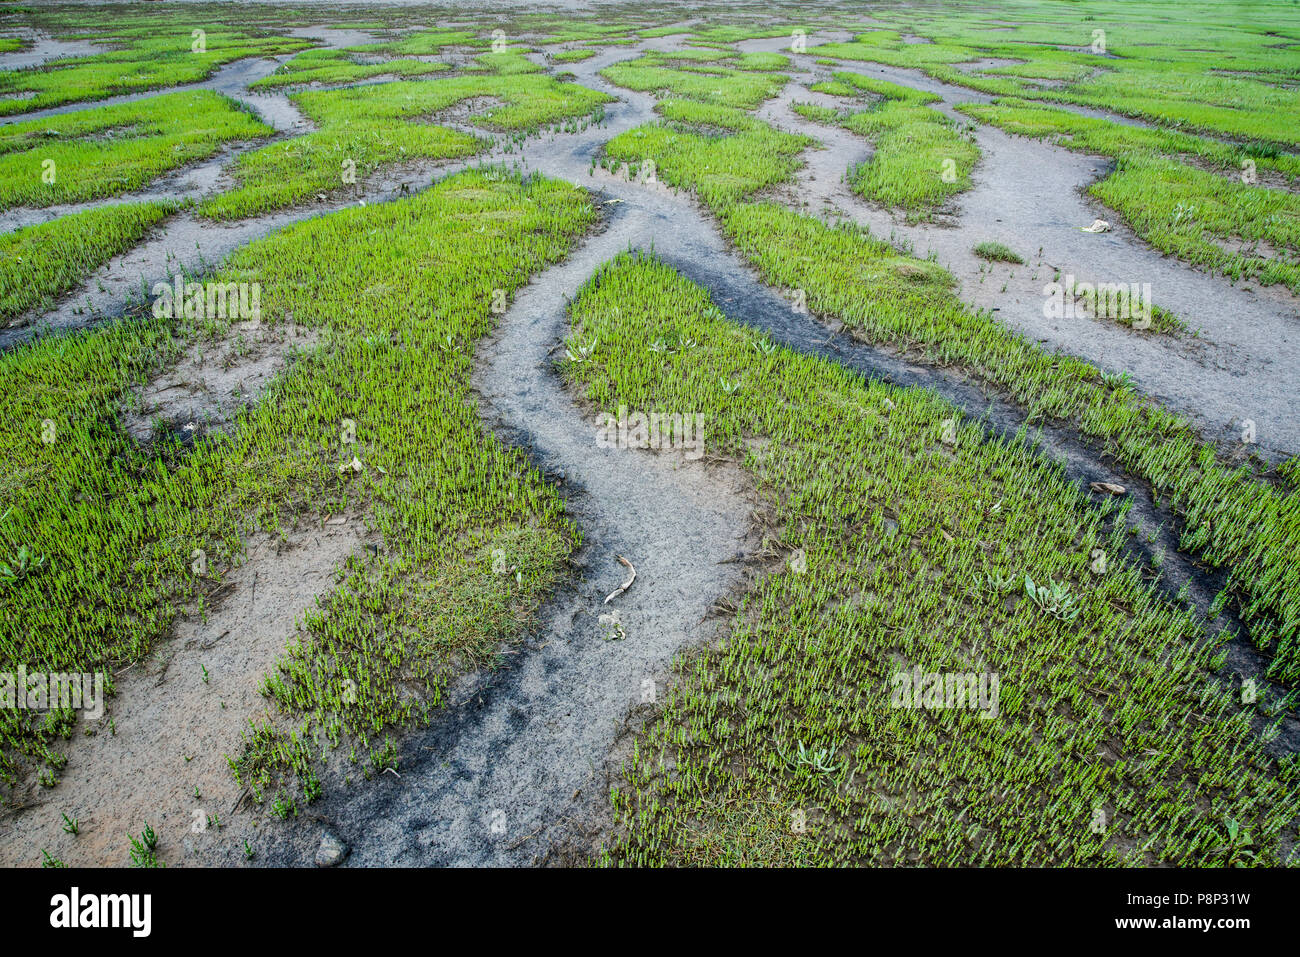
x=997, y=253
x=764, y=61
x=144, y=849
x=572, y=56
x=720, y=168
x=885, y=89
x=818, y=113
x=888, y=47
x=735, y=33
x=510, y=62
x=835, y=88
x=425, y=43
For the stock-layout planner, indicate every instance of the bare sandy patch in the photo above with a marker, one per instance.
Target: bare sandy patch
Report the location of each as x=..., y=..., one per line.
x=212, y=381
x=158, y=756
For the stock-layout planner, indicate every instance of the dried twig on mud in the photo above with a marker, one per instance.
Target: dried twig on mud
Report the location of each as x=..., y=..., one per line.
x=1110, y=487
x=626, y=585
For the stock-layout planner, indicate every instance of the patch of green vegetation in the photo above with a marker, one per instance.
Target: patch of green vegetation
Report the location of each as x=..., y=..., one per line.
x=1099, y=135
x=720, y=168
x=435, y=512
x=329, y=161
x=888, y=47
x=1041, y=68
x=998, y=253
x=1117, y=302
x=1095, y=733
x=694, y=116
x=1210, y=219
x=734, y=33
x=341, y=66
x=110, y=150
x=655, y=32
x=1231, y=520
x=763, y=61
x=511, y=62
x=920, y=159
x=721, y=85
x=573, y=56
x=117, y=524
x=144, y=849
x=423, y=43
x=818, y=113
x=1186, y=95
x=1243, y=231
x=694, y=55
x=1226, y=75
x=1245, y=526
x=551, y=29
x=143, y=60
x=12, y=44
x=41, y=262
x=886, y=89
x=361, y=129
x=835, y=88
